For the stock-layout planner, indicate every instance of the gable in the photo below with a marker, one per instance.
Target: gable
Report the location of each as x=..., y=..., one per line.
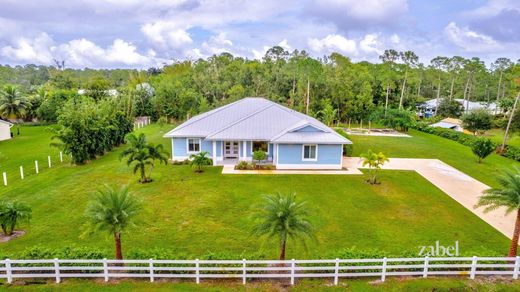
x=308, y=128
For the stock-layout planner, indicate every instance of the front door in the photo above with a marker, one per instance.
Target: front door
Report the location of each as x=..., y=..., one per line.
x=231, y=149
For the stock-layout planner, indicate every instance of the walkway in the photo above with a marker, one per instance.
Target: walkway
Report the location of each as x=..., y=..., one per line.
x=458, y=185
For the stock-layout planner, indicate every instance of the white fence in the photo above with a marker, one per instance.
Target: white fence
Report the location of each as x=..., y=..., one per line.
x=254, y=269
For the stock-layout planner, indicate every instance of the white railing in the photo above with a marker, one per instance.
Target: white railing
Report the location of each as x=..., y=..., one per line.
x=254, y=269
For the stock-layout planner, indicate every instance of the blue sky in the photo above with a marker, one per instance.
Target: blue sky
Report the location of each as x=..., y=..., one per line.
x=140, y=34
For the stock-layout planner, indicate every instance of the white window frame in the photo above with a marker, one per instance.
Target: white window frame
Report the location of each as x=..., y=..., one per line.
x=303, y=152
x=188, y=145
x=267, y=142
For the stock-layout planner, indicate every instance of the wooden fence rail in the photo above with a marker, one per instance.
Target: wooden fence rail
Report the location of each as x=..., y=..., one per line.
x=254, y=269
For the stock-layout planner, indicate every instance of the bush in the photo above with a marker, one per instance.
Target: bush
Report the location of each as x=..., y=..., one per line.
x=259, y=155
x=482, y=147
x=348, y=149
x=244, y=165
x=397, y=119
x=477, y=121
x=449, y=108
x=181, y=162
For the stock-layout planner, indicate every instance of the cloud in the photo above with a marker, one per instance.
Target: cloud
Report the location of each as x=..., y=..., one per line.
x=333, y=43
x=470, y=40
x=350, y=15
x=371, y=44
x=166, y=35
x=30, y=50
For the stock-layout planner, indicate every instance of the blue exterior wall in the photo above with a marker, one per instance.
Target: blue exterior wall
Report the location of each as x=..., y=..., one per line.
x=292, y=154
x=180, y=147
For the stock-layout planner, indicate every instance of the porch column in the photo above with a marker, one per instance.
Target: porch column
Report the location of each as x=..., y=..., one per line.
x=173, y=154
x=244, y=145
x=214, y=153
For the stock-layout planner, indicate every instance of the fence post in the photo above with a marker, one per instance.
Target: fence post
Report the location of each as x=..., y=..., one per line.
x=151, y=271
x=336, y=272
x=36, y=166
x=8, y=271
x=383, y=270
x=293, y=265
x=21, y=172
x=197, y=271
x=105, y=269
x=244, y=271
x=517, y=267
x=49, y=161
x=473, y=268
x=57, y=270
x=61, y=156
x=425, y=270
x=5, y=178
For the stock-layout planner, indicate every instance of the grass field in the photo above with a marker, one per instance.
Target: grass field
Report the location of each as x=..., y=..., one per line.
x=438, y=284
x=497, y=136
x=423, y=145
x=209, y=212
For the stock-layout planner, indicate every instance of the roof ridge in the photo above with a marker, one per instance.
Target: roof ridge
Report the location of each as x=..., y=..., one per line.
x=216, y=110
x=286, y=130
x=241, y=120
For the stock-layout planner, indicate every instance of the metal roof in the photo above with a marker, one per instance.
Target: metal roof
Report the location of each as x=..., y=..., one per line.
x=6, y=122
x=256, y=118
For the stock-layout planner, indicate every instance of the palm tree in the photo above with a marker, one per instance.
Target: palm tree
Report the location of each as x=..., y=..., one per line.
x=508, y=196
x=112, y=210
x=11, y=213
x=374, y=162
x=200, y=160
x=138, y=154
x=281, y=216
x=12, y=106
x=157, y=152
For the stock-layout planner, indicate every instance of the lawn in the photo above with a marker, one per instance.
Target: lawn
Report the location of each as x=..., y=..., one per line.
x=196, y=214
x=497, y=136
x=422, y=145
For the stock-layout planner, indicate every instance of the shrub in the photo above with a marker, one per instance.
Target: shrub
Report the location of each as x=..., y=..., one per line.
x=244, y=165
x=397, y=119
x=259, y=155
x=477, y=121
x=449, y=108
x=348, y=149
x=181, y=162
x=482, y=147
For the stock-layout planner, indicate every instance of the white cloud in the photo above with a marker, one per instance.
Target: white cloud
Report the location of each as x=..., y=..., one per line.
x=166, y=35
x=371, y=44
x=469, y=40
x=395, y=39
x=30, y=50
x=333, y=43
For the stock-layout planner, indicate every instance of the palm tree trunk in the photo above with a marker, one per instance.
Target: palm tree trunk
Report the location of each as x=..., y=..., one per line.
x=386, y=98
x=516, y=233
x=282, y=251
x=402, y=90
x=498, y=87
x=143, y=174
x=119, y=253
x=452, y=84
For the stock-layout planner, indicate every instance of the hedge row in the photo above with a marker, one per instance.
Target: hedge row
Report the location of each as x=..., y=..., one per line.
x=76, y=252
x=511, y=152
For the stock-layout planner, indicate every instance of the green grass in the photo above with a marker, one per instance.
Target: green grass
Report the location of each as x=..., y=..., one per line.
x=198, y=213
x=392, y=284
x=497, y=136
x=423, y=145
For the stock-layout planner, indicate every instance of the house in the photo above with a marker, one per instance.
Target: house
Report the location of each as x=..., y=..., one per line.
x=449, y=123
x=5, y=130
x=232, y=132
x=427, y=108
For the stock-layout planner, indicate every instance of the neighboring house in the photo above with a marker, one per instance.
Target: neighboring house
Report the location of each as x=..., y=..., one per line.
x=5, y=130
x=427, y=108
x=450, y=123
x=232, y=132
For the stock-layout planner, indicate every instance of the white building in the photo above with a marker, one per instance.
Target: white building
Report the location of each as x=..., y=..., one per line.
x=427, y=108
x=450, y=123
x=5, y=130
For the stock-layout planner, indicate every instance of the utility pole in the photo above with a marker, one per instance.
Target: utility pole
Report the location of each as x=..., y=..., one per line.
x=509, y=123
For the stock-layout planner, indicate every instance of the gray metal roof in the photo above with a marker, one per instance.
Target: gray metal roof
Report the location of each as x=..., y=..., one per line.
x=6, y=122
x=256, y=118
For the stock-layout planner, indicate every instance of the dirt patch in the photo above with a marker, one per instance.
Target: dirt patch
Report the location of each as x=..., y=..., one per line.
x=17, y=233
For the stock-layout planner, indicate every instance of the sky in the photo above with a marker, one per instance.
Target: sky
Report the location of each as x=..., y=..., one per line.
x=141, y=34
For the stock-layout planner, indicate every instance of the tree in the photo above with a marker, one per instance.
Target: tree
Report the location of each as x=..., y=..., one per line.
x=439, y=63
x=410, y=60
x=507, y=196
x=157, y=153
x=482, y=147
x=113, y=211
x=12, y=106
x=374, y=162
x=500, y=65
x=477, y=120
x=283, y=217
x=199, y=160
x=328, y=113
x=11, y=213
x=138, y=153
x=450, y=108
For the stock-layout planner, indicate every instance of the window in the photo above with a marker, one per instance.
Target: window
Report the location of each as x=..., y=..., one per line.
x=193, y=145
x=310, y=153
x=260, y=145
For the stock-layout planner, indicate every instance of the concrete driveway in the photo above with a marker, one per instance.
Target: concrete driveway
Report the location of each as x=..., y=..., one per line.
x=458, y=185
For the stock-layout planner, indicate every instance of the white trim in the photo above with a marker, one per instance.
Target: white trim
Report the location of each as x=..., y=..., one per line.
x=303, y=152
x=188, y=146
x=173, y=147
x=214, y=152
x=309, y=166
x=277, y=153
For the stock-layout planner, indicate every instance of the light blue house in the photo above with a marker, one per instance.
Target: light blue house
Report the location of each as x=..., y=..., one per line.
x=232, y=132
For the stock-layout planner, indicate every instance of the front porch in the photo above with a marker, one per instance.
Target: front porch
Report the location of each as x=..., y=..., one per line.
x=232, y=152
